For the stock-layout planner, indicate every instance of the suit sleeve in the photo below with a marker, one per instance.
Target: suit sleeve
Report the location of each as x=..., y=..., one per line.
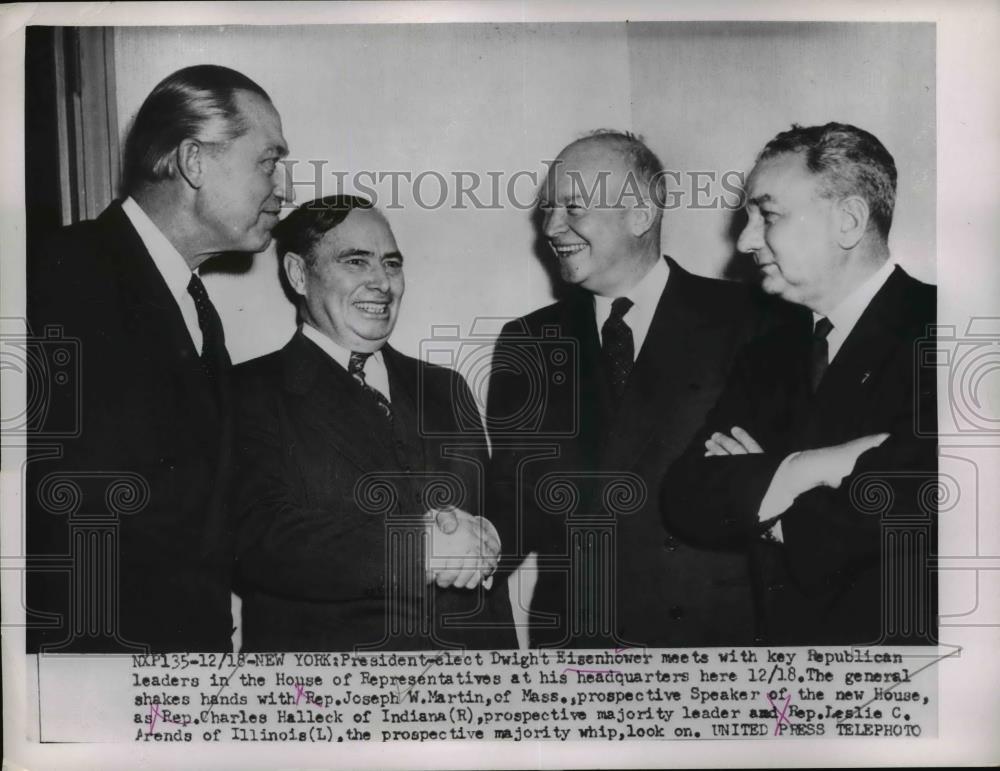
x=285, y=545
x=830, y=532
x=713, y=501
x=474, y=449
x=827, y=532
x=508, y=389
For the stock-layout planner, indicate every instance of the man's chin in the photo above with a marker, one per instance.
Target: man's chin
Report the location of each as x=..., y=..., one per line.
x=375, y=336
x=772, y=284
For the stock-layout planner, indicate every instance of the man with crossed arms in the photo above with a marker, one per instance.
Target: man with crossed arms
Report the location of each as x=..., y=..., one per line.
x=812, y=461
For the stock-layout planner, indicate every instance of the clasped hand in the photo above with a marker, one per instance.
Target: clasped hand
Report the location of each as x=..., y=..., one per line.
x=462, y=550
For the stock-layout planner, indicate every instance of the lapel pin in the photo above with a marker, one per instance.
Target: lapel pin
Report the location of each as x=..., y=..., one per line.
x=864, y=377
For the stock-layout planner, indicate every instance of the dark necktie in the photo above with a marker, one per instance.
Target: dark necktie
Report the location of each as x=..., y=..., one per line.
x=214, y=355
x=617, y=346
x=820, y=355
x=356, y=369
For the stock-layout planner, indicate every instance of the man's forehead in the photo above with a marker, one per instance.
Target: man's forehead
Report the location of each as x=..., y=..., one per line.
x=778, y=176
x=586, y=164
x=263, y=116
x=361, y=230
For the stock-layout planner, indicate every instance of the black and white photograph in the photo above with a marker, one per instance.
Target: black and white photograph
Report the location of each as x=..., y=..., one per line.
x=429, y=379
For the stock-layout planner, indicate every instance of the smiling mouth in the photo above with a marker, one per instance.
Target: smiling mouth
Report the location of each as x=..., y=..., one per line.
x=373, y=309
x=564, y=251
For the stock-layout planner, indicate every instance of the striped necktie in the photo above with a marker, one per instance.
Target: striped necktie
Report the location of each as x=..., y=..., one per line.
x=356, y=369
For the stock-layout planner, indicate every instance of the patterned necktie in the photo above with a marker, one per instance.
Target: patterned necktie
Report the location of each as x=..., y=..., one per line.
x=356, y=369
x=618, y=347
x=214, y=356
x=820, y=354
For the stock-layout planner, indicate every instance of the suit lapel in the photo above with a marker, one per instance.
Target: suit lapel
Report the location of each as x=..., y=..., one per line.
x=663, y=371
x=854, y=370
x=332, y=396
x=153, y=319
x=593, y=393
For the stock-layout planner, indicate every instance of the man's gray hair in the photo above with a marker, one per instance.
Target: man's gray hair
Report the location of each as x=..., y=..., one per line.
x=642, y=162
x=196, y=102
x=849, y=160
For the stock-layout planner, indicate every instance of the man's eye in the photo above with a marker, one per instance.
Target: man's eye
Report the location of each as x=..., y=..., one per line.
x=393, y=265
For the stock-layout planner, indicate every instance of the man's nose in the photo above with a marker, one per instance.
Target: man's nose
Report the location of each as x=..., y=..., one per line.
x=378, y=278
x=555, y=221
x=751, y=239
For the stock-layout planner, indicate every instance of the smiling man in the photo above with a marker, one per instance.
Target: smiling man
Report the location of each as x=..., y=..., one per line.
x=812, y=462
x=593, y=397
x=352, y=506
x=151, y=461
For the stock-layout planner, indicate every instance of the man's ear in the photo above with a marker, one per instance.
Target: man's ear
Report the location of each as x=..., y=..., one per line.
x=295, y=270
x=190, y=156
x=641, y=217
x=852, y=221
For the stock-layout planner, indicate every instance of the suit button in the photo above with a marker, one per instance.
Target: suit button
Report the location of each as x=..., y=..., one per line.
x=775, y=586
x=670, y=543
x=677, y=613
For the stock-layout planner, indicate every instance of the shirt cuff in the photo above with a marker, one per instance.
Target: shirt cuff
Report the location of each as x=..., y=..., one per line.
x=780, y=495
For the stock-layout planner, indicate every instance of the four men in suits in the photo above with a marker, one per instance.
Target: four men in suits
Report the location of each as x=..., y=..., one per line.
x=592, y=398
x=126, y=521
x=355, y=479
x=355, y=475
x=812, y=462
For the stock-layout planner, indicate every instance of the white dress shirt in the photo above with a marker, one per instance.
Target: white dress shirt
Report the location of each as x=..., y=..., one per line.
x=171, y=265
x=376, y=375
x=781, y=493
x=645, y=296
x=846, y=315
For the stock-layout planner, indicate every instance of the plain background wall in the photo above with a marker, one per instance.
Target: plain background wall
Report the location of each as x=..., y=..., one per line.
x=506, y=98
x=707, y=96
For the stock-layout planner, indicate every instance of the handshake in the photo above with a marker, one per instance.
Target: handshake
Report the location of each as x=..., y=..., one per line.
x=462, y=550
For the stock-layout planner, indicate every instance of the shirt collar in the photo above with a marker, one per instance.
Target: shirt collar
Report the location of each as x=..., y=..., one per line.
x=335, y=351
x=169, y=262
x=645, y=295
x=847, y=313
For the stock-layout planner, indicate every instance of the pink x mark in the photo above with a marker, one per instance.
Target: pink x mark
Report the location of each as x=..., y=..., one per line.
x=782, y=718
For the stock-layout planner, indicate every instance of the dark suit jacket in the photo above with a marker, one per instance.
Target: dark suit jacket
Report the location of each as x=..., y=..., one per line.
x=330, y=503
x=854, y=566
x=143, y=435
x=577, y=481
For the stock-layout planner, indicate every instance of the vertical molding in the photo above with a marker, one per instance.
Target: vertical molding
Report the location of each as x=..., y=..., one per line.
x=97, y=130
x=111, y=107
x=67, y=197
